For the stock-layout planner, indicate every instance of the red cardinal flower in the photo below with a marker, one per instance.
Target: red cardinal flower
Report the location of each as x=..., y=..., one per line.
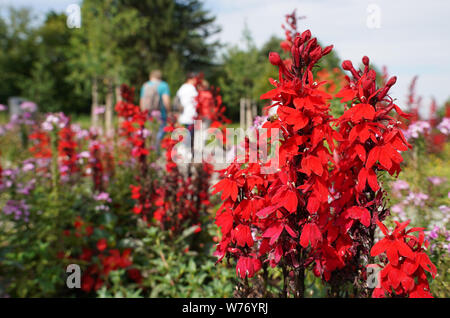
x=102, y=244
x=404, y=274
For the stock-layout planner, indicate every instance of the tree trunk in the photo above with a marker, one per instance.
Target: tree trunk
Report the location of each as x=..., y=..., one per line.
x=242, y=113
x=117, y=91
x=109, y=109
x=254, y=110
x=248, y=115
x=94, y=115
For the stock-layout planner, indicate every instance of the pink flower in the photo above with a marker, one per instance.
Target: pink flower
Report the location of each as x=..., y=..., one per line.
x=102, y=196
x=437, y=180
x=99, y=110
x=28, y=107
x=444, y=126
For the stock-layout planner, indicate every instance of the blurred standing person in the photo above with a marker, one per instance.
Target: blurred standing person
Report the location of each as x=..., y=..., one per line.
x=155, y=96
x=187, y=97
x=205, y=106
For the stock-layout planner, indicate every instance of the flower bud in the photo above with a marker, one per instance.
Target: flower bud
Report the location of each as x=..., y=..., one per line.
x=306, y=35
x=392, y=81
x=347, y=65
x=327, y=50
x=365, y=60
x=275, y=58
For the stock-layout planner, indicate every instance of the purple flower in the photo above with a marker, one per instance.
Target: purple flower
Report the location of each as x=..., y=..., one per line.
x=84, y=154
x=434, y=234
x=259, y=121
x=17, y=208
x=399, y=211
x=99, y=110
x=28, y=107
x=156, y=114
x=2, y=108
x=417, y=199
x=102, y=196
x=79, y=132
x=444, y=209
x=444, y=126
x=58, y=120
x=437, y=180
x=416, y=129
x=400, y=185
x=27, y=167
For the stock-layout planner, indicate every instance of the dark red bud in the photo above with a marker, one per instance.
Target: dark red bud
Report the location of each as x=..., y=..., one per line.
x=311, y=45
x=347, y=65
x=385, y=90
x=316, y=53
x=327, y=50
x=275, y=58
x=306, y=35
x=365, y=60
x=392, y=81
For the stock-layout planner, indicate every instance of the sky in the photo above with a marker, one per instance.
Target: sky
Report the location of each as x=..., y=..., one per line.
x=408, y=37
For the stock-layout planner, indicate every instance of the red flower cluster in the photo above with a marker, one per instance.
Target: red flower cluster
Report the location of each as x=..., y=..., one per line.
x=82, y=228
x=67, y=150
x=133, y=129
x=320, y=208
x=106, y=261
x=96, y=165
x=100, y=260
x=277, y=216
x=133, y=122
x=369, y=142
x=180, y=199
x=404, y=274
x=41, y=147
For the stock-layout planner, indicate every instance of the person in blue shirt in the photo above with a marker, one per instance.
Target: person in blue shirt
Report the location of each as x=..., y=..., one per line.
x=164, y=100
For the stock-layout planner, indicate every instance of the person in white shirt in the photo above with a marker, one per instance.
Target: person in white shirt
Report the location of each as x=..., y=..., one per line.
x=187, y=95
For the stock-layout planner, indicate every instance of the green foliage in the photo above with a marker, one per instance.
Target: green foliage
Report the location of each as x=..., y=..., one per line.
x=119, y=41
x=18, y=43
x=48, y=83
x=169, y=269
x=29, y=250
x=244, y=73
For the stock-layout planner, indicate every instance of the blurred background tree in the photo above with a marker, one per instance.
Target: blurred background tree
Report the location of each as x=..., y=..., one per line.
x=18, y=50
x=121, y=41
x=72, y=70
